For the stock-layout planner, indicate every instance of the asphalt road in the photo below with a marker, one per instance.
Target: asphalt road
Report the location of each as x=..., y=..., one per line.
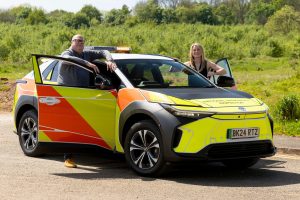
x=101, y=177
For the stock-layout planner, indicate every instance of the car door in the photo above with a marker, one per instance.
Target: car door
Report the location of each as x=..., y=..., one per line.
x=73, y=114
x=223, y=62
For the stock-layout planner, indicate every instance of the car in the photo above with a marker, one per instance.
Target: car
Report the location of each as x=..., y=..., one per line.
x=152, y=108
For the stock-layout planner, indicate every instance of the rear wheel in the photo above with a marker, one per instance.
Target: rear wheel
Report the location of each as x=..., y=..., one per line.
x=144, y=150
x=242, y=163
x=28, y=134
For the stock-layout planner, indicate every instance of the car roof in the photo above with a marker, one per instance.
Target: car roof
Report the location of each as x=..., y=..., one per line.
x=125, y=56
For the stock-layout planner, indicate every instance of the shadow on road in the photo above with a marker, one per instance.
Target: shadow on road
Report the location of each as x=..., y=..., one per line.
x=266, y=173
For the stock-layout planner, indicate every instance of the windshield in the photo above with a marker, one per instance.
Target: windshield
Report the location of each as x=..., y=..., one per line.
x=147, y=73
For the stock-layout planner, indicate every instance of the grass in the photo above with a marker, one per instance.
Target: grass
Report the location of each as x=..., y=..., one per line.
x=14, y=71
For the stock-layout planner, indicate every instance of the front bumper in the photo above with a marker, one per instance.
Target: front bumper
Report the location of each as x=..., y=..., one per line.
x=202, y=133
x=236, y=150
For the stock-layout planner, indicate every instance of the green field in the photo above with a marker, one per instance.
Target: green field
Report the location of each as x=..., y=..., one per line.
x=264, y=65
x=270, y=80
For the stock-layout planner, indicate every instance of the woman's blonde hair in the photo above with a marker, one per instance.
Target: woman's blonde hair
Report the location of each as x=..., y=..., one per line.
x=191, y=54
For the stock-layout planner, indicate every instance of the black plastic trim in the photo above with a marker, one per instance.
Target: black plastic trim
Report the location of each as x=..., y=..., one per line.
x=23, y=101
x=207, y=153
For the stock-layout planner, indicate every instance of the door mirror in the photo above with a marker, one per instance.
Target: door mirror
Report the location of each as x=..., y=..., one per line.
x=103, y=83
x=225, y=81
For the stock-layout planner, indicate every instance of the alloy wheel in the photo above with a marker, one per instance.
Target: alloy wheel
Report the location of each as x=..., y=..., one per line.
x=144, y=149
x=29, y=134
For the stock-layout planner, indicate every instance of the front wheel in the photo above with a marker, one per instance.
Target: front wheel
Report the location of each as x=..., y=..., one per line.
x=242, y=163
x=28, y=134
x=144, y=150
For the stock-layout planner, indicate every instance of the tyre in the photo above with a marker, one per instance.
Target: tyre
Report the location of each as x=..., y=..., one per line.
x=144, y=150
x=242, y=163
x=28, y=134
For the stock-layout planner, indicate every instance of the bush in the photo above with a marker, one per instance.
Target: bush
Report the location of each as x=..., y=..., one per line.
x=4, y=51
x=275, y=49
x=284, y=21
x=288, y=108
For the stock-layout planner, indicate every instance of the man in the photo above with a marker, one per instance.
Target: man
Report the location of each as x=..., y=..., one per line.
x=75, y=76
x=71, y=75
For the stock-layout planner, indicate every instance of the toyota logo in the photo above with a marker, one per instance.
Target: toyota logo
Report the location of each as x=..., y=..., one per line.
x=242, y=109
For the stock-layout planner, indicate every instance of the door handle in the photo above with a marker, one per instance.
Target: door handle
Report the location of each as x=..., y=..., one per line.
x=50, y=101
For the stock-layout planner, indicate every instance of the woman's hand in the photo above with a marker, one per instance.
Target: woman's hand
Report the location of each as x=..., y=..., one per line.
x=210, y=73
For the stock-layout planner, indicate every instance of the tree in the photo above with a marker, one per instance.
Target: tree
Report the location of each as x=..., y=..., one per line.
x=36, y=16
x=78, y=20
x=259, y=12
x=185, y=15
x=21, y=12
x=204, y=14
x=169, y=16
x=117, y=16
x=91, y=12
x=224, y=14
x=200, y=13
x=239, y=8
x=60, y=16
x=7, y=16
x=149, y=11
x=284, y=20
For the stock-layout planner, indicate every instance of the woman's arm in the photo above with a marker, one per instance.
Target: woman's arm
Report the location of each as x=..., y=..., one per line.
x=216, y=69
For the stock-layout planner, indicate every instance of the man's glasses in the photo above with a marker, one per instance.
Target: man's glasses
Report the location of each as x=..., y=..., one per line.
x=78, y=40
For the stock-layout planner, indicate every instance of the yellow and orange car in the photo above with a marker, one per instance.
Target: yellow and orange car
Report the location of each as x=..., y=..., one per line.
x=153, y=109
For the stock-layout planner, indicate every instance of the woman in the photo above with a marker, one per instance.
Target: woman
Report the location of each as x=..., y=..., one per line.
x=201, y=64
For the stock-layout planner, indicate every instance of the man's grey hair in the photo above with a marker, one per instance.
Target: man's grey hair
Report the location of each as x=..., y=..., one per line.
x=77, y=36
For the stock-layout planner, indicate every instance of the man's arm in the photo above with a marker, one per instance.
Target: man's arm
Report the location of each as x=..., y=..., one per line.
x=93, y=55
x=69, y=55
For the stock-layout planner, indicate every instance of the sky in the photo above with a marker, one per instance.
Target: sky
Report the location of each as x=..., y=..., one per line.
x=69, y=5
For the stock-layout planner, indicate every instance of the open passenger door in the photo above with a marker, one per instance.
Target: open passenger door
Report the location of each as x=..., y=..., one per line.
x=73, y=114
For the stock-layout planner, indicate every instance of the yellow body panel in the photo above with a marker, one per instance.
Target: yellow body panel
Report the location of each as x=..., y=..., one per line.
x=43, y=137
x=197, y=135
x=119, y=147
x=50, y=83
x=36, y=70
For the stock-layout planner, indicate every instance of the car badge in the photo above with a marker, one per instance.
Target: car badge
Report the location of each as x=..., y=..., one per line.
x=242, y=109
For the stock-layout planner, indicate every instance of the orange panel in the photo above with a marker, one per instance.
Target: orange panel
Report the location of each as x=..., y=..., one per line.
x=127, y=96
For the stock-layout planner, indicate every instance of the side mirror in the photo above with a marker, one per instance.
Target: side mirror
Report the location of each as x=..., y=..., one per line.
x=102, y=83
x=225, y=81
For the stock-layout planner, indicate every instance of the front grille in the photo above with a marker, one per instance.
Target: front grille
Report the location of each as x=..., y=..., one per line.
x=236, y=150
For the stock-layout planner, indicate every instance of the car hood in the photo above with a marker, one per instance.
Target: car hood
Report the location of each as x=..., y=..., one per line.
x=202, y=97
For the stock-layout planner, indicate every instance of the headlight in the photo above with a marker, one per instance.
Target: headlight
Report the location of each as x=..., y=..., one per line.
x=187, y=113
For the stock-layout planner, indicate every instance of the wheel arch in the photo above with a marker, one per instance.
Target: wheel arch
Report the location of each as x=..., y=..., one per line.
x=136, y=112
x=24, y=104
x=132, y=120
